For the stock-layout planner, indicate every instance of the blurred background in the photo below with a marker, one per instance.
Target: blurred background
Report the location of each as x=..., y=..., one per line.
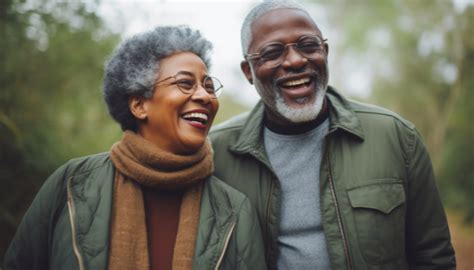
x=414, y=57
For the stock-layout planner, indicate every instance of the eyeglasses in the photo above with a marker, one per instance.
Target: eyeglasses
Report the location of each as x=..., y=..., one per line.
x=186, y=83
x=274, y=53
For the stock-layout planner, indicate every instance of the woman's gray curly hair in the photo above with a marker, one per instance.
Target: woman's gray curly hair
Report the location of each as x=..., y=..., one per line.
x=132, y=69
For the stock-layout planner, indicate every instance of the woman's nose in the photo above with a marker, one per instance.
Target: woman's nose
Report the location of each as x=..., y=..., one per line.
x=201, y=95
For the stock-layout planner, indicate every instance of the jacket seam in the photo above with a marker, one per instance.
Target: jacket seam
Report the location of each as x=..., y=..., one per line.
x=411, y=149
x=239, y=258
x=239, y=209
x=80, y=171
x=234, y=210
x=407, y=124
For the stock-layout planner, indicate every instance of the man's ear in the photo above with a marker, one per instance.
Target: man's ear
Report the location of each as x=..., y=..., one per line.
x=326, y=48
x=245, y=66
x=137, y=107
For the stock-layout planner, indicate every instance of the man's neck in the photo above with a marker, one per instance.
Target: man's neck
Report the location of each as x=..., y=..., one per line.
x=298, y=128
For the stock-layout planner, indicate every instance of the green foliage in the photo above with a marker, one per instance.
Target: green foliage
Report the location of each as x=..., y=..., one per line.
x=459, y=152
x=421, y=58
x=51, y=106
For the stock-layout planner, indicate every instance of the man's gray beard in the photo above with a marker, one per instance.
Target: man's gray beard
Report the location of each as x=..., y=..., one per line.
x=309, y=111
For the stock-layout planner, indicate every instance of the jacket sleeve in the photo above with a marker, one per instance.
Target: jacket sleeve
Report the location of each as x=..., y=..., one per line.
x=249, y=239
x=29, y=248
x=428, y=239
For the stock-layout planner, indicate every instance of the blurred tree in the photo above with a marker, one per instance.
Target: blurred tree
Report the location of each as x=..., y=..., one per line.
x=51, y=107
x=420, y=55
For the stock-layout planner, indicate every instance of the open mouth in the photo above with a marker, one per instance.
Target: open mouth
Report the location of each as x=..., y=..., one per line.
x=297, y=88
x=196, y=118
x=297, y=83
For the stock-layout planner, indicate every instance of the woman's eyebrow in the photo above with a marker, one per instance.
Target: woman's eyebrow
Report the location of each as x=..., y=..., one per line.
x=184, y=72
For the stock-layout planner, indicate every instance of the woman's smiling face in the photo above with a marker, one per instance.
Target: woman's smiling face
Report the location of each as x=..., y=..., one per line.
x=172, y=120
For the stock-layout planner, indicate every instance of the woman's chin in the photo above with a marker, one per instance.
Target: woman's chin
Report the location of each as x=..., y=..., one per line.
x=191, y=146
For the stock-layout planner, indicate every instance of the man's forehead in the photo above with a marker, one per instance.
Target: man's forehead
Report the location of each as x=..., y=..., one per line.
x=280, y=20
x=276, y=14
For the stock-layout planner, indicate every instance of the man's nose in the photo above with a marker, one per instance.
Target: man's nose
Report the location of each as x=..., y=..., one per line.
x=294, y=59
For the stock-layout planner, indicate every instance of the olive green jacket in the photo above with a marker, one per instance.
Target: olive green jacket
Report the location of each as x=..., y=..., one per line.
x=67, y=225
x=380, y=207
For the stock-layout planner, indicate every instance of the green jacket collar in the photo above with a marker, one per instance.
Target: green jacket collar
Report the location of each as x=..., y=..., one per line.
x=341, y=117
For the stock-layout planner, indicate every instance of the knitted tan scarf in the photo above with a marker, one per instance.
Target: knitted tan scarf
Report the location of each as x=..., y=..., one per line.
x=140, y=163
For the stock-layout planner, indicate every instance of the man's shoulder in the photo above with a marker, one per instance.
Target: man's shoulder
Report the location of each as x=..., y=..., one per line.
x=235, y=123
x=229, y=131
x=377, y=114
x=369, y=115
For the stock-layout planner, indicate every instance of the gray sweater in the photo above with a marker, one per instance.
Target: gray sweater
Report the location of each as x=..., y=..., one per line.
x=296, y=161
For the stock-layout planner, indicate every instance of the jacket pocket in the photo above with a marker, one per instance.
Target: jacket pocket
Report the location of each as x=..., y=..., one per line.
x=379, y=219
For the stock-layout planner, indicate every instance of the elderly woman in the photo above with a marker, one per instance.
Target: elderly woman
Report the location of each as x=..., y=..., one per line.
x=151, y=202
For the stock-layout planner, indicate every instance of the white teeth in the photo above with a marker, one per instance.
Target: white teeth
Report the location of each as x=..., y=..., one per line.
x=296, y=82
x=196, y=115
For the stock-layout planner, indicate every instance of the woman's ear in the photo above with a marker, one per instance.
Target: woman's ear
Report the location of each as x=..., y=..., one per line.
x=245, y=66
x=137, y=107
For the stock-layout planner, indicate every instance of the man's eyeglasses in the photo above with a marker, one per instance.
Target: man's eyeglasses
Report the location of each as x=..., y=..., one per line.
x=186, y=83
x=273, y=54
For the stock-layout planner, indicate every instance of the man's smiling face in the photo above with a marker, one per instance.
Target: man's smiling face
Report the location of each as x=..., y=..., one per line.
x=293, y=91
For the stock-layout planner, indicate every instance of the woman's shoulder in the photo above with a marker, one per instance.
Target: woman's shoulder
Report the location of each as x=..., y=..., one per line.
x=86, y=163
x=224, y=194
x=77, y=166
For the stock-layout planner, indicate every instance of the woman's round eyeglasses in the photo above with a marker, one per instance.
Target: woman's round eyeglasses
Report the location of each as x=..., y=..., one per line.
x=187, y=83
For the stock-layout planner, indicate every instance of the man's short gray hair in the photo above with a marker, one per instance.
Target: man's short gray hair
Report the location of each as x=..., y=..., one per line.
x=257, y=12
x=132, y=69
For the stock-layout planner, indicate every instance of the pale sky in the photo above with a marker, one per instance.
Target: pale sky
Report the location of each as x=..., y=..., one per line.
x=220, y=21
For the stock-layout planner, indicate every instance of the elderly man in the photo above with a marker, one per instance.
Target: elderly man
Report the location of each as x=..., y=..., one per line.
x=337, y=184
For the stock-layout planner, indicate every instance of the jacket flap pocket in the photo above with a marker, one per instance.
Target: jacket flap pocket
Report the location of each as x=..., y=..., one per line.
x=381, y=196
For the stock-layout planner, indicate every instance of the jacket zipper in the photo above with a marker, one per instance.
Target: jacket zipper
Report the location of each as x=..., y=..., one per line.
x=72, y=213
x=267, y=217
x=338, y=214
x=267, y=214
x=226, y=243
